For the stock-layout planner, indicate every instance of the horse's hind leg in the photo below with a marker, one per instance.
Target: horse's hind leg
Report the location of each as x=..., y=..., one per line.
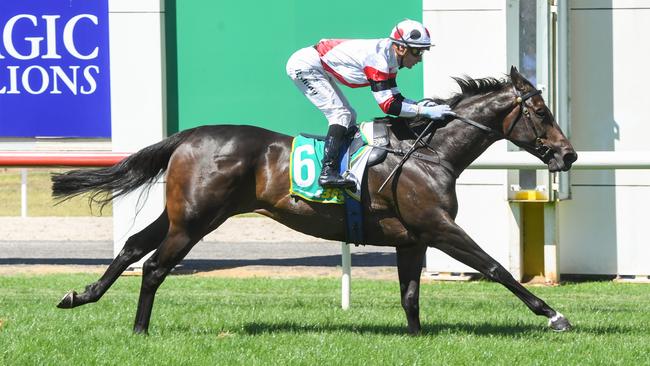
x=453, y=240
x=172, y=250
x=136, y=247
x=409, y=270
x=182, y=236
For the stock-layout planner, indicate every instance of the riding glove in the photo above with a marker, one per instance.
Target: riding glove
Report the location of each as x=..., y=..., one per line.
x=436, y=112
x=427, y=103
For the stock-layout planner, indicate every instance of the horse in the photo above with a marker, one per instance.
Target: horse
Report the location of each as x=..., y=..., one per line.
x=214, y=172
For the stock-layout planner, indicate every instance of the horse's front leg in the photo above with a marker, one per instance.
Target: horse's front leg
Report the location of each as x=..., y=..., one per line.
x=453, y=240
x=409, y=270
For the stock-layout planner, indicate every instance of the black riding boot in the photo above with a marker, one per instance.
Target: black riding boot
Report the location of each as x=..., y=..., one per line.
x=330, y=176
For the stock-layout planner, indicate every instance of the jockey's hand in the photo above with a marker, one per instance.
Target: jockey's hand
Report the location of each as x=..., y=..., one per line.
x=438, y=112
x=426, y=103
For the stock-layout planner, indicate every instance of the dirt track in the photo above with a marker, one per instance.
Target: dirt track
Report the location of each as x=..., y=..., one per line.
x=245, y=229
x=235, y=230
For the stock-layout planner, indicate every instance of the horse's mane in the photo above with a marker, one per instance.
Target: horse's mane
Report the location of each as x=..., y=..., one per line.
x=468, y=87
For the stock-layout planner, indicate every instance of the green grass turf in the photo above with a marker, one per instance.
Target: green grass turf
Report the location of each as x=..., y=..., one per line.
x=217, y=321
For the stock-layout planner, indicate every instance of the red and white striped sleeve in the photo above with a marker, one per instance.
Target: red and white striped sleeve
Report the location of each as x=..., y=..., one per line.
x=384, y=88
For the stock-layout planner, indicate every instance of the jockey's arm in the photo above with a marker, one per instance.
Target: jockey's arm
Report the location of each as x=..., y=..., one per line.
x=392, y=102
x=388, y=97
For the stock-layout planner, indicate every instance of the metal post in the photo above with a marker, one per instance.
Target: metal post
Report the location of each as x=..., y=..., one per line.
x=515, y=241
x=23, y=192
x=345, y=276
x=551, y=268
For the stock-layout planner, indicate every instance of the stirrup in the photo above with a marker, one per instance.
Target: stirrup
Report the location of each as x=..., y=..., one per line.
x=337, y=181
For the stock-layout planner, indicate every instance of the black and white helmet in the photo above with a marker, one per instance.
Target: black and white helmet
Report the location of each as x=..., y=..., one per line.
x=412, y=34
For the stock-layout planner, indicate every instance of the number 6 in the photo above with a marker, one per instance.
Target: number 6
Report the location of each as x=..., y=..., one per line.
x=308, y=162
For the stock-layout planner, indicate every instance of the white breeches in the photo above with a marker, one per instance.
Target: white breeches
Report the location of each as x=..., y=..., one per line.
x=306, y=71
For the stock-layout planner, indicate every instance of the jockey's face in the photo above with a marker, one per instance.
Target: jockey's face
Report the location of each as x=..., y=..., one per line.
x=410, y=56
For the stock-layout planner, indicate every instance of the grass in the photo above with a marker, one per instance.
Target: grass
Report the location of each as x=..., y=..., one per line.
x=216, y=321
x=39, y=196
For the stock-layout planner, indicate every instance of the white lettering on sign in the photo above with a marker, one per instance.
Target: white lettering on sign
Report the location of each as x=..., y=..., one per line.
x=50, y=20
x=7, y=38
x=37, y=79
x=51, y=46
x=68, y=40
x=13, y=78
x=30, y=45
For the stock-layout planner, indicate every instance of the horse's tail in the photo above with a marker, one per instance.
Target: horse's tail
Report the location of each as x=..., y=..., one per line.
x=105, y=184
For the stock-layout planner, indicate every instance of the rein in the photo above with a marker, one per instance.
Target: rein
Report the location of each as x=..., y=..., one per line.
x=407, y=154
x=539, y=147
x=520, y=100
x=542, y=149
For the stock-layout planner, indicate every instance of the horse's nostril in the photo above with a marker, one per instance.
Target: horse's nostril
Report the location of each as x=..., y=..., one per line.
x=570, y=158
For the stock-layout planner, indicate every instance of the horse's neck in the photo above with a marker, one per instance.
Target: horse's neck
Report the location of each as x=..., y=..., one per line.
x=460, y=143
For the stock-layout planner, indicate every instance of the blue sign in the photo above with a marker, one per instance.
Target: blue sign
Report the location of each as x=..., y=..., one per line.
x=54, y=68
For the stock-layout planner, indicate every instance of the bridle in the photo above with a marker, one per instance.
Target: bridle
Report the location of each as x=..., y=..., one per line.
x=540, y=148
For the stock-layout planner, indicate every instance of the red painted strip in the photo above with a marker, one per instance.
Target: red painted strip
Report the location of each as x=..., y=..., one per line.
x=340, y=78
x=17, y=159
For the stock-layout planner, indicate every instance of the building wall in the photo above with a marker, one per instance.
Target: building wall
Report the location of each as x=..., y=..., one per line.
x=231, y=59
x=601, y=228
x=137, y=102
x=470, y=38
x=219, y=80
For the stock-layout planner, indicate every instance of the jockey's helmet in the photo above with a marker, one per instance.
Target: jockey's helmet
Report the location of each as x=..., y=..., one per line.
x=411, y=33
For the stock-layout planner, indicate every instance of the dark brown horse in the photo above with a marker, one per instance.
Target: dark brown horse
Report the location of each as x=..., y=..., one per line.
x=214, y=172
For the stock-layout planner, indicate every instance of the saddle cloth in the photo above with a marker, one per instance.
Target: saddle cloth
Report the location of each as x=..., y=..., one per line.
x=307, y=154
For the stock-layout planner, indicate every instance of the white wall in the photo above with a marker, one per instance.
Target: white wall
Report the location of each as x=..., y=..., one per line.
x=470, y=39
x=137, y=100
x=602, y=227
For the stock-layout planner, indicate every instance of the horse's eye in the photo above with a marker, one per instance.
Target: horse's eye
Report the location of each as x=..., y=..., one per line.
x=540, y=113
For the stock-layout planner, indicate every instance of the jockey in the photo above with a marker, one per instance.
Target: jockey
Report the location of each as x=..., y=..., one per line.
x=355, y=63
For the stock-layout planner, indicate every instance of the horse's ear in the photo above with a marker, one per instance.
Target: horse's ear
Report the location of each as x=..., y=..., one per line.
x=517, y=79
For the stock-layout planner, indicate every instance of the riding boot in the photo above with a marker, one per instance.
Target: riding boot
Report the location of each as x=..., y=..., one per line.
x=331, y=174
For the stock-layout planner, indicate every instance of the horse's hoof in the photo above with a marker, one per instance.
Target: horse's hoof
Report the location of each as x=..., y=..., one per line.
x=67, y=302
x=140, y=331
x=559, y=323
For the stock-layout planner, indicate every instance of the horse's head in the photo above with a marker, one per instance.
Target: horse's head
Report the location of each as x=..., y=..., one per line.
x=531, y=126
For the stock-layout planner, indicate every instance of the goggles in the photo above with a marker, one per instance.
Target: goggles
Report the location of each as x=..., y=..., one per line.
x=417, y=52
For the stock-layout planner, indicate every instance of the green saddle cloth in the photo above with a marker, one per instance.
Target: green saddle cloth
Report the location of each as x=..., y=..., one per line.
x=305, y=168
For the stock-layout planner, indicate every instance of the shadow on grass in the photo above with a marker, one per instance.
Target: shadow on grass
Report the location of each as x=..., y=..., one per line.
x=481, y=329
x=477, y=329
x=189, y=266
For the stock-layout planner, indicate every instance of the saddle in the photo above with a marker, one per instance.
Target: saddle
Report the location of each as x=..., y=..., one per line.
x=371, y=135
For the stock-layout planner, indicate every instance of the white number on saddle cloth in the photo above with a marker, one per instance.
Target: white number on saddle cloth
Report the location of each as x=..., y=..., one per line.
x=304, y=163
